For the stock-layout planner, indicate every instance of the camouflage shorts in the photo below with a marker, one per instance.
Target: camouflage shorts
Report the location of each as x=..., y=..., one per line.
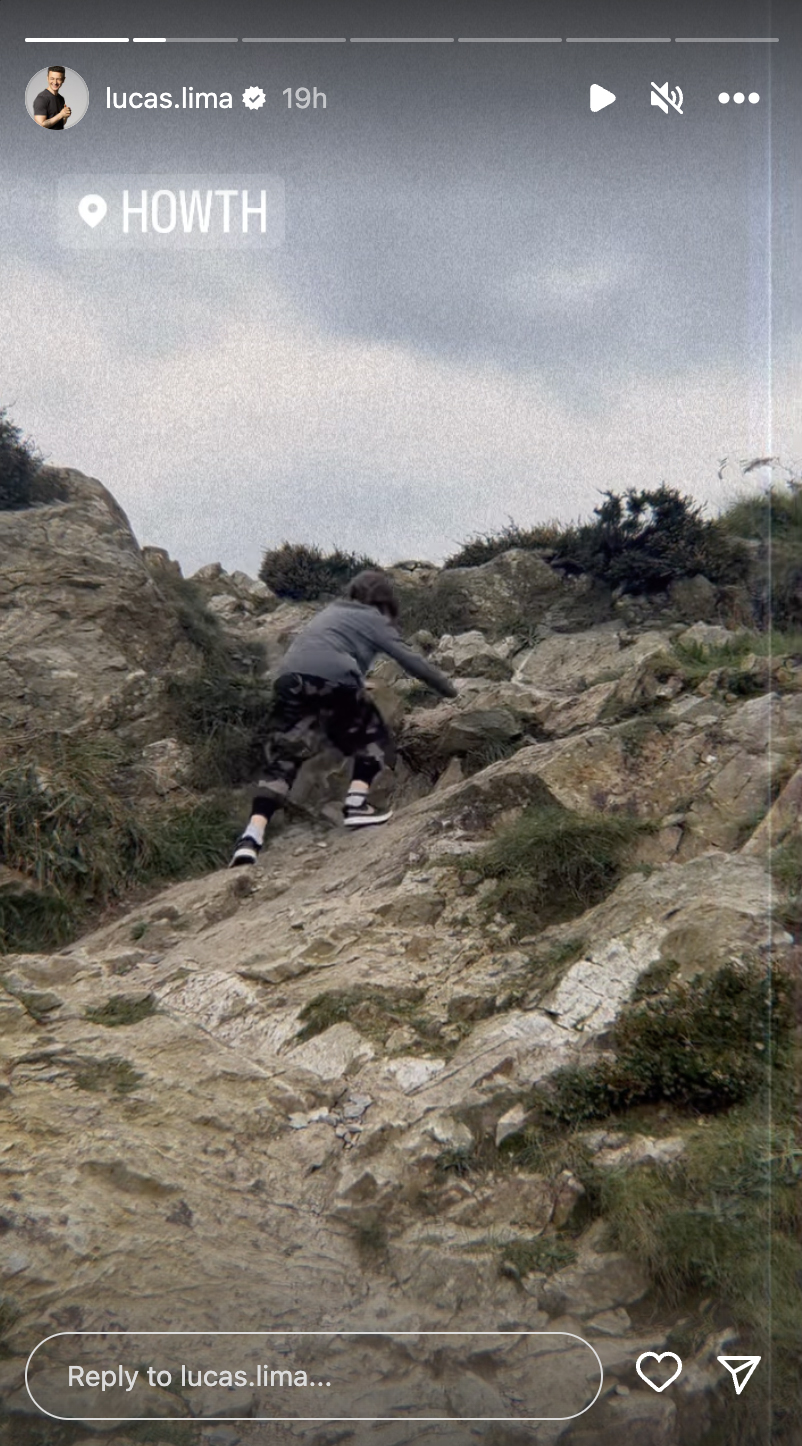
x=310, y=712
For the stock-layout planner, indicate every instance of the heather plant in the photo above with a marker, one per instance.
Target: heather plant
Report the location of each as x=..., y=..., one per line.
x=20, y=464
x=304, y=573
x=773, y=519
x=639, y=540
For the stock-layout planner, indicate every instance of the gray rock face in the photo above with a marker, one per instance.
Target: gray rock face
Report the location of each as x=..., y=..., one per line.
x=262, y=1098
x=515, y=588
x=83, y=625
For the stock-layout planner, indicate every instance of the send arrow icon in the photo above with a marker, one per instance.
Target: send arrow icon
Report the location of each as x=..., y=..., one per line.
x=599, y=97
x=740, y=1368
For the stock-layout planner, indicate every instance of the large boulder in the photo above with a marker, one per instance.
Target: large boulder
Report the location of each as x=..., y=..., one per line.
x=469, y=655
x=570, y=664
x=83, y=624
x=513, y=593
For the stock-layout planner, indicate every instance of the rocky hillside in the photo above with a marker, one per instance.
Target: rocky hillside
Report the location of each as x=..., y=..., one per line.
x=503, y=1065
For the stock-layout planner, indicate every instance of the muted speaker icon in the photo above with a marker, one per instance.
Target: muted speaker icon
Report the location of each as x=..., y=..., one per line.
x=662, y=96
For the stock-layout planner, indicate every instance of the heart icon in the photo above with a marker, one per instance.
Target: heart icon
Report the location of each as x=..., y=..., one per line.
x=653, y=1356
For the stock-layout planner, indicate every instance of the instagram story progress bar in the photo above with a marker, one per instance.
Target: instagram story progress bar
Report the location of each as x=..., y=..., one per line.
x=401, y=40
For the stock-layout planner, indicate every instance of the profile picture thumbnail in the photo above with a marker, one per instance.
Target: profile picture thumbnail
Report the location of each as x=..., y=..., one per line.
x=56, y=98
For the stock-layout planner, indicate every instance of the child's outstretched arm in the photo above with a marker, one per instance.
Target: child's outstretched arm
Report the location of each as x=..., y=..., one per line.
x=391, y=643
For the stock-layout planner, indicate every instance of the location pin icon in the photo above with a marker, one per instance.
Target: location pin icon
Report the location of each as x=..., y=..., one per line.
x=92, y=209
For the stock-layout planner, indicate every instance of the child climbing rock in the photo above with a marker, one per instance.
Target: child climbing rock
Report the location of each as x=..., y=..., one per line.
x=320, y=688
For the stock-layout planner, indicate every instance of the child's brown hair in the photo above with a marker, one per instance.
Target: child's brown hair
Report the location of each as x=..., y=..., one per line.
x=376, y=589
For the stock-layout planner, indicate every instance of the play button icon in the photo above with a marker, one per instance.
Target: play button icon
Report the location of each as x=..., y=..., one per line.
x=599, y=97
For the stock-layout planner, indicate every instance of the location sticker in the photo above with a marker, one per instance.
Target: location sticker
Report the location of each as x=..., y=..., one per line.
x=92, y=209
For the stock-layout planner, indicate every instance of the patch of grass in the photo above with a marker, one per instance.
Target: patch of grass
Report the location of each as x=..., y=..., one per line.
x=552, y=864
x=225, y=716
x=773, y=518
x=177, y=843
x=139, y=929
x=370, y=1239
x=304, y=573
x=655, y=980
x=786, y=868
x=786, y=865
x=374, y=1011
x=122, y=1009
x=490, y=750
x=735, y=667
x=107, y=1076
x=704, y=1045
x=484, y=547
x=223, y=710
x=460, y=1160
x=540, y=1253
x=775, y=643
x=699, y=659
x=636, y=732
x=34, y=920
x=199, y=625
x=725, y=1223
x=66, y=823
x=443, y=607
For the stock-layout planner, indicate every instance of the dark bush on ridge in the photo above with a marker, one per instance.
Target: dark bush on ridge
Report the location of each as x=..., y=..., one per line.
x=643, y=541
x=774, y=518
x=639, y=540
x=304, y=574
x=19, y=466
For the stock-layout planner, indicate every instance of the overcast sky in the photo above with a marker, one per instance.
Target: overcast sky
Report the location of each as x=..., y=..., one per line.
x=490, y=303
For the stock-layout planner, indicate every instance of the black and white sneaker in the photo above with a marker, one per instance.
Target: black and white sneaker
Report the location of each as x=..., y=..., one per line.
x=246, y=851
x=361, y=815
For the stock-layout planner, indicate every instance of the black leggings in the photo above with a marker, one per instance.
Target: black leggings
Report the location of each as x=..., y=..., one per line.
x=306, y=709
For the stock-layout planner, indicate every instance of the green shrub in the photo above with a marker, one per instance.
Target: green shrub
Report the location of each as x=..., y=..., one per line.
x=34, y=920
x=644, y=540
x=723, y=1227
x=639, y=540
x=704, y=1045
x=786, y=866
x=113, y=1075
x=223, y=710
x=541, y=1253
x=65, y=823
x=374, y=1010
x=303, y=573
x=552, y=864
x=484, y=547
x=226, y=718
x=20, y=464
x=122, y=1009
x=773, y=518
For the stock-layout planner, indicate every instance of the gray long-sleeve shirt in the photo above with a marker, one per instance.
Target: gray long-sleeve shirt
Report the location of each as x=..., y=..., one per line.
x=341, y=642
